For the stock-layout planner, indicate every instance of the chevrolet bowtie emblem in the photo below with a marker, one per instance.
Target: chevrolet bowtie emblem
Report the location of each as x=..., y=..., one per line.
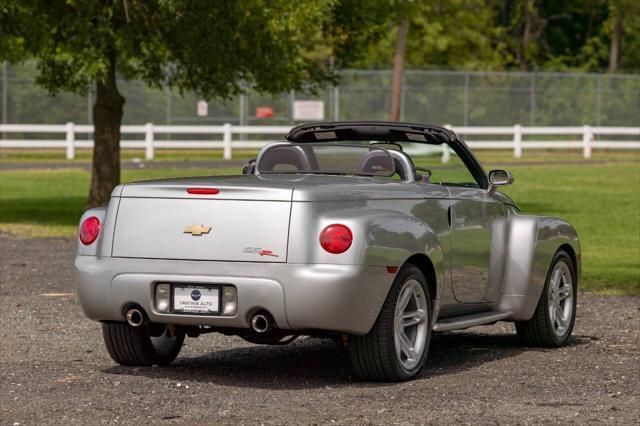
x=197, y=230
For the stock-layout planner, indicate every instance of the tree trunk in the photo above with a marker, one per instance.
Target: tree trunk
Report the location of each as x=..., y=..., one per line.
x=398, y=70
x=526, y=34
x=614, y=48
x=107, y=117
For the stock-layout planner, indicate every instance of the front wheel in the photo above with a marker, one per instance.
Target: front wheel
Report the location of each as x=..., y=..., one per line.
x=396, y=347
x=146, y=345
x=555, y=314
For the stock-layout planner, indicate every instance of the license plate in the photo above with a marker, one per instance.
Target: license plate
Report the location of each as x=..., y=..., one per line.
x=196, y=299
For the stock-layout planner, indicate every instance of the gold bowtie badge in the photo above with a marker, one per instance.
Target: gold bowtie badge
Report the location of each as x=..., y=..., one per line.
x=197, y=230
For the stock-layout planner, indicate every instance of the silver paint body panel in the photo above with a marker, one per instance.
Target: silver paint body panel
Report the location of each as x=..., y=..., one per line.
x=311, y=296
x=154, y=228
x=491, y=258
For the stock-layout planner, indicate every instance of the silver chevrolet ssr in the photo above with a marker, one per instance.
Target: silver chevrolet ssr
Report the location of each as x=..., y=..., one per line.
x=333, y=232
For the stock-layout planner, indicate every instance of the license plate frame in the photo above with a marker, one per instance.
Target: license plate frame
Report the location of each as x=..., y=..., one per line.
x=192, y=287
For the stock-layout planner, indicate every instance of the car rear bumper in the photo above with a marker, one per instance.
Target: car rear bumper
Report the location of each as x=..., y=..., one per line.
x=342, y=298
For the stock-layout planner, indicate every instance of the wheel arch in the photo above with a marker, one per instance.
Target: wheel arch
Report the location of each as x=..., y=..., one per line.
x=575, y=258
x=389, y=246
x=422, y=262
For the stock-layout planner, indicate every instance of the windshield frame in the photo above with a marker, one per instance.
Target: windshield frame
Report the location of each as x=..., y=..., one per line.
x=392, y=132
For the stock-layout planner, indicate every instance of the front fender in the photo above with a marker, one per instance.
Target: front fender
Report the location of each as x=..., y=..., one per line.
x=532, y=243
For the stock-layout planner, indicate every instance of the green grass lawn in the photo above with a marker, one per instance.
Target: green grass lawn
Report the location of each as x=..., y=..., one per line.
x=603, y=203
x=84, y=155
x=602, y=200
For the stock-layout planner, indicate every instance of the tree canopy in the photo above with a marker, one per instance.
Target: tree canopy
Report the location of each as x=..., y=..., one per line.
x=549, y=35
x=213, y=48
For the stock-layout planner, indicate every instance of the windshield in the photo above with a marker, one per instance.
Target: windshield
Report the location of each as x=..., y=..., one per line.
x=326, y=159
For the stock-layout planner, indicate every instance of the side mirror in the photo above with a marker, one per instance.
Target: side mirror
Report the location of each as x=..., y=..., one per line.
x=426, y=174
x=500, y=177
x=249, y=168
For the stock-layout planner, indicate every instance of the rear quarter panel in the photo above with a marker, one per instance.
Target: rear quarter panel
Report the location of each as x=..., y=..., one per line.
x=385, y=233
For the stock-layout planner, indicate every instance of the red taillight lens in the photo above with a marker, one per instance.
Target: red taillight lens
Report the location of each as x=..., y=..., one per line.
x=336, y=238
x=89, y=230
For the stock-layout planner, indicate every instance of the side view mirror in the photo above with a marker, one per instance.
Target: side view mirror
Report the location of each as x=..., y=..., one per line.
x=426, y=174
x=500, y=177
x=249, y=168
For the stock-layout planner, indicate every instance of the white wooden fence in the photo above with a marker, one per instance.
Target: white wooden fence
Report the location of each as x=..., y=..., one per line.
x=587, y=138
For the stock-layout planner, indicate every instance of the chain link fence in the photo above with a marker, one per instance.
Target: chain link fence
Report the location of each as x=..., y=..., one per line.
x=457, y=98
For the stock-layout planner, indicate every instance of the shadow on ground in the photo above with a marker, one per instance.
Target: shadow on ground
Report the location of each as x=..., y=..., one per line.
x=313, y=363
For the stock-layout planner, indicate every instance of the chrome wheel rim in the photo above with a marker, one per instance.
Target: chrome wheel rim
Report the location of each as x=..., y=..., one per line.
x=164, y=343
x=411, y=325
x=560, y=299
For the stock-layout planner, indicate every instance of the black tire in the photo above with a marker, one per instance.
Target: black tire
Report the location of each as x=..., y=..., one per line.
x=539, y=330
x=133, y=346
x=374, y=355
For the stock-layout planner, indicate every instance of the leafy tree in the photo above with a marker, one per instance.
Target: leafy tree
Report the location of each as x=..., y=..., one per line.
x=558, y=35
x=564, y=35
x=214, y=48
x=403, y=14
x=623, y=30
x=457, y=34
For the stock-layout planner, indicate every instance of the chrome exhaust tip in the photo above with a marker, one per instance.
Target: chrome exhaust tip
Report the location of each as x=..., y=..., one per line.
x=135, y=317
x=260, y=323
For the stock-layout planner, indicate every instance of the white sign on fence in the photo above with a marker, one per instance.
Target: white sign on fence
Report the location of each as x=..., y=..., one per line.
x=203, y=108
x=308, y=110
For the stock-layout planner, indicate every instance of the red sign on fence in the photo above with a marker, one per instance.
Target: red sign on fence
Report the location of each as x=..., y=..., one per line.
x=264, y=112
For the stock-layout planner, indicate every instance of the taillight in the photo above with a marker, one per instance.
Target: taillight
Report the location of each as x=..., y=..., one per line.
x=89, y=230
x=203, y=191
x=336, y=238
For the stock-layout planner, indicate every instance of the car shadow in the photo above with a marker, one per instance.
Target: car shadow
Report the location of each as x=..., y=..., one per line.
x=314, y=363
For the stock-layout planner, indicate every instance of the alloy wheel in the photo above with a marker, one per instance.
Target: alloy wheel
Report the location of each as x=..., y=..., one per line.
x=560, y=299
x=411, y=324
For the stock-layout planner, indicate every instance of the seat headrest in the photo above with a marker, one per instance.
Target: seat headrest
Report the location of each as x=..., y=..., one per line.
x=375, y=162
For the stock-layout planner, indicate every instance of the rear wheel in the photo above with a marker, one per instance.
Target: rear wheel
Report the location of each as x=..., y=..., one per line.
x=396, y=347
x=145, y=345
x=555, y=314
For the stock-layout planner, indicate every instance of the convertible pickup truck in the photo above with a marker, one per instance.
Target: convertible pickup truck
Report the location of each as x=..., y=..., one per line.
x=335, y=232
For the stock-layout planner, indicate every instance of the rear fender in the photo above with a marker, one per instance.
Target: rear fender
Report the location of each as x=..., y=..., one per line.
x=395, y=237
x=381, y=237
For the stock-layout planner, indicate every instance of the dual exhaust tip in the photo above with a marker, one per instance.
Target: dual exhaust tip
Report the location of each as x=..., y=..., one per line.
x=261, y=322
x=135, y=317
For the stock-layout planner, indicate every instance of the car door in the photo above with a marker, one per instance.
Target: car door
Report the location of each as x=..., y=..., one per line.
x=477, y=244
x=477, y=222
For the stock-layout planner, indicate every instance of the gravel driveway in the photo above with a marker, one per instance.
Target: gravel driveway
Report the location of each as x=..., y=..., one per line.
x=55, y=368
